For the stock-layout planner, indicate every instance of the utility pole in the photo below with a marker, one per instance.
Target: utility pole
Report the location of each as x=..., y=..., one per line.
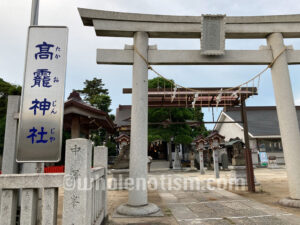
x=34, y=20
x=248, y=152
x=33, y=167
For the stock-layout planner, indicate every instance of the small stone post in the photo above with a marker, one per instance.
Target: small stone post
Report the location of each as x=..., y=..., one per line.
x=49, y=208
x=201, y=162
x=8, y=210
x=287, y=117
x=29, y=200
x=216, y=162
x=77, y=182
x=35, y=168
x=100, y=156
x=177, y=163
x=192, y=161
x=101, y=159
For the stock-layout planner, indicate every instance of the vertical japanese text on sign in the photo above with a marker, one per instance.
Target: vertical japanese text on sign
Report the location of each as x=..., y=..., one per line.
x=41, y=115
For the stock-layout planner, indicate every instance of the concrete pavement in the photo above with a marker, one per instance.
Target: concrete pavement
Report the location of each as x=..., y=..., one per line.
x=219, y=207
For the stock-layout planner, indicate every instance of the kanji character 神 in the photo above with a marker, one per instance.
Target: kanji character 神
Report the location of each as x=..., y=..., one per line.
x=41, y=105
x=35, y=106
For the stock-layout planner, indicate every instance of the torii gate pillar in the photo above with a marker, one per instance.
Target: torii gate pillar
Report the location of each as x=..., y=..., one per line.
x=287, y=117
x=138, y=195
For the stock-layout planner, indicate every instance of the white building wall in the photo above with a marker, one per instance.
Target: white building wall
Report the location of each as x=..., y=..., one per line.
x=233, y=130
x=230, y=130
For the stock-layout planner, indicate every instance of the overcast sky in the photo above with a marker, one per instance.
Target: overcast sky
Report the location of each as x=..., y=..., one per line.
x=15, y=17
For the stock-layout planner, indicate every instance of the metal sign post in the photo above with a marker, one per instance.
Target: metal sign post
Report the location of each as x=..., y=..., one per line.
x=41, y=115
x=34, y=12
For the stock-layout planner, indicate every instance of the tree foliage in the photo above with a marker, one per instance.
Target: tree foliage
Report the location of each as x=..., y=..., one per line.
x=5, y=90
x=181, y=133
x=95, y=94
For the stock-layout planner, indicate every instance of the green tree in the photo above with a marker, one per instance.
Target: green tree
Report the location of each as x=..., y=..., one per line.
x=181, y=133
x=5, y=90
x=95, y=94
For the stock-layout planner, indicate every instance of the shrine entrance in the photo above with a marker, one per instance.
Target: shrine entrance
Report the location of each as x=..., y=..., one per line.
x=223, y=97
x=212, y=29
x=158, y=150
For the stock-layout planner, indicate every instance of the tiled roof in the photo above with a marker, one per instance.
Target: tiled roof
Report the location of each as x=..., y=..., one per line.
x=262, y=121
x=123, y=115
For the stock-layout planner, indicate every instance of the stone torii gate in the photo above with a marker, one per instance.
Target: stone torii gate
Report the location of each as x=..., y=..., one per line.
x=212, y=29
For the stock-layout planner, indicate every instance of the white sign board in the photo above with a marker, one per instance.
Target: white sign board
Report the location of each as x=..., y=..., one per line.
x=263, y=158
x=41, y=114
x=213, y=35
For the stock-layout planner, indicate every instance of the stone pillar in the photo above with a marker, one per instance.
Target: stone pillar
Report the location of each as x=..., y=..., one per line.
x=170, y=154
x=201, y=162
x=287, y=117
x=29, y=199
x=181, y=152
x=35, y=168
x=100, y=156
x=9, y=164
x=192, y=161
x=77, y=182
x=101, y=159
x=139, y=120
x=8, y=207
x=177, y=163
x=138, y=194
x=216, y=162
x=75, y=128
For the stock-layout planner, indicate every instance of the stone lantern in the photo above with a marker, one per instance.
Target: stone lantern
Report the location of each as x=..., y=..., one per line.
x=238, y=174
x=192, y=157
x=123, y=140
x=215, y=140
x=122, y=160
x=120, y=168
x=200, y=147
